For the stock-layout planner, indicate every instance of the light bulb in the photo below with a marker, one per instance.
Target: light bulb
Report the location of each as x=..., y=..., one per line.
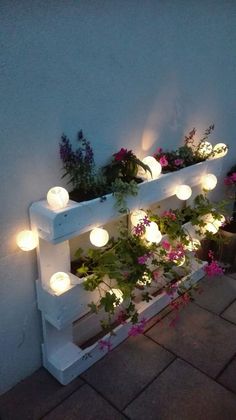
x=57, y=198
x=119, y=295
x=209, y=182
x=220, y=149
x=60, y=282
x=27, y=240
x=211, y=224
x=205, y=149
x=154, y=166
x=146, y=280
x=193, y=244
x=99, y=237
x=152, y=233
x=183, y=192
x=137, y=216
x=221, y=221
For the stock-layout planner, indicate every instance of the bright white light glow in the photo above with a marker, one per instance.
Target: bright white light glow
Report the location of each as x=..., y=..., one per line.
x=205, y=149
x=209, y=182
x=193, y=244
x=60, y=282
x=183, y=192
x=152, y=233
x=136, y=216
x=146, y=280
x=154, y=166
x=27, y=240
x=221, y=149
x=119, y=295
x=221, y=221
x=99, y=237
x=57, y=198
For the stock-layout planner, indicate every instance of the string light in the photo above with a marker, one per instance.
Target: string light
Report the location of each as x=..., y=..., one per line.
x=205, y=149
x=27, y=240
x=152, y=233
x=118, y=294
x=183, y=192
x=99, y=237
x=60, y=282
x=220, y=149
x=137, y=216
x=154, y=166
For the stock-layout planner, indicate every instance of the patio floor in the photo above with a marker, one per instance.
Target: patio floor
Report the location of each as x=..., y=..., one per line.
x=183, y=372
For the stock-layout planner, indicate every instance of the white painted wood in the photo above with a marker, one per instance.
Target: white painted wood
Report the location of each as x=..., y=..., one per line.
x=61, y=356
x=59, y=225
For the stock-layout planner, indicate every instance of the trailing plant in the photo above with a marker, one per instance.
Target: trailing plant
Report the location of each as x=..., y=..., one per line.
x=121, y=190
x=230, y=181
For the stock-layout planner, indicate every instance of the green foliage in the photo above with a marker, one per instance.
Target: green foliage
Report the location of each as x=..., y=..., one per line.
x=121, y=190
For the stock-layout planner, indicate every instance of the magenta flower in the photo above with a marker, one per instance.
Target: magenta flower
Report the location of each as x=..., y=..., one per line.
x=156, y=275
x=143, y=258
x=178, y=162
x=137, y=328
x=213, y=269
x=163, y=161
x=146, y=221
x=159, y=150
x=121, y=154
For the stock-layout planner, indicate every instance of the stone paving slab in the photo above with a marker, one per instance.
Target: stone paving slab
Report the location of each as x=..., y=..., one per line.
x=85, y=404
x=181, y=392
x=228, y=377
x=123, y=373
x=199, y=337
x=218, y=293
x=230, y=313
x=35, y=396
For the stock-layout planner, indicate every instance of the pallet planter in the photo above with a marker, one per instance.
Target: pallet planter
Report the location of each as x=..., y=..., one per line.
x=61, y=356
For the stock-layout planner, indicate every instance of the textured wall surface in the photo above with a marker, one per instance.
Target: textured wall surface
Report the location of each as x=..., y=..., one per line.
x=130, y=73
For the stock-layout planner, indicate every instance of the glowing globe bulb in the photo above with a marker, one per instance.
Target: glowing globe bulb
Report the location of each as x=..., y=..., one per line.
x=136, y=216
x=209, y=182
x=154, y=166
x=99, y=237
x=57, y=198
x=183, y=192
x=152, y=233
x=119, y=295
x=205, y=149
x=211, y=224
x=193, y=244
x=220, y=149
x=27, y=240
x=60, y=282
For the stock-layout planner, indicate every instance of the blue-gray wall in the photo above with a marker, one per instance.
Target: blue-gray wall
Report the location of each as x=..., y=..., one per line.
x=131, y=73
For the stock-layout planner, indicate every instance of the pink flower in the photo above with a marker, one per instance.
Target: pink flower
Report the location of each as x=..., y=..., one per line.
x=233, y=177
x=121, y=318
x=228, y=181
x=137, y=328
x=121, y=154
x=166, y=245
x=159, y=150
x=178, y=162
x=213, y=269
x=146, y=221
x=170, y=214
x=143, y=258
x=105, y=345
x=163, y=161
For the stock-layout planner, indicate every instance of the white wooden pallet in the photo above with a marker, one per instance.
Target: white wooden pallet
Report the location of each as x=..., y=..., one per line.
x=61, y=356
x=56, y=226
